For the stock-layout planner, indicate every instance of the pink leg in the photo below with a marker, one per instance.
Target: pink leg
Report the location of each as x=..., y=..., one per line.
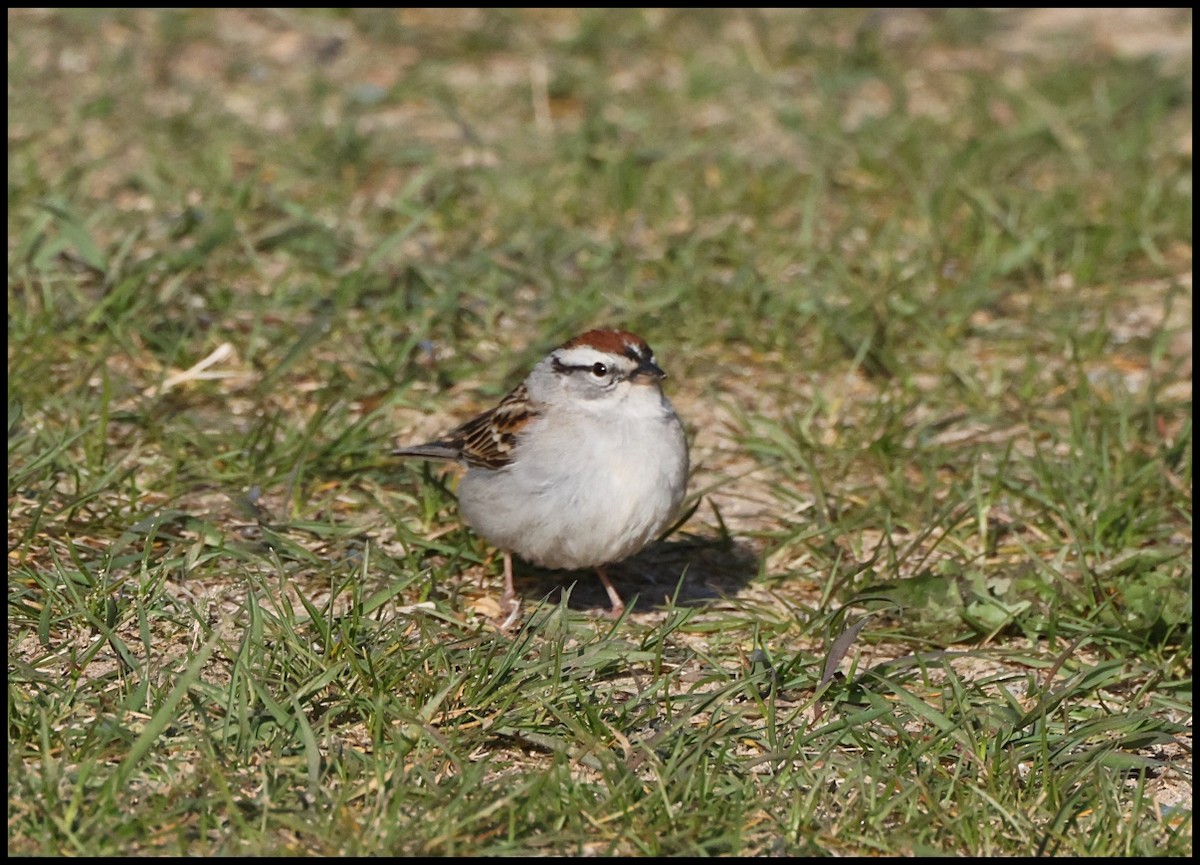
x=509, y=599
x=618, y=606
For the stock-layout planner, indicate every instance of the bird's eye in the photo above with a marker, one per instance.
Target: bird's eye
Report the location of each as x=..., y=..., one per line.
x=599, y=370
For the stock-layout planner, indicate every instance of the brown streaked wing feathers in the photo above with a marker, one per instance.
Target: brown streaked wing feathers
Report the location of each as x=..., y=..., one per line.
x=489, y=439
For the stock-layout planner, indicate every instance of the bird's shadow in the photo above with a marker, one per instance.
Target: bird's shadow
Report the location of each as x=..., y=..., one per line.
x=710, y=568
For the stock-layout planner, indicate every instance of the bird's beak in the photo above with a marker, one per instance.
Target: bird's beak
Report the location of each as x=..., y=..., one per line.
x=647, y=373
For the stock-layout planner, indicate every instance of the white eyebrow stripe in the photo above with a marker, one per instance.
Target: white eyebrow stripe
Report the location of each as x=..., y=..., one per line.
x=586, y=356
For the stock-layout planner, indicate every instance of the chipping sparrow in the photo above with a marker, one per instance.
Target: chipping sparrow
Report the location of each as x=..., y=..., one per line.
x=581, y=465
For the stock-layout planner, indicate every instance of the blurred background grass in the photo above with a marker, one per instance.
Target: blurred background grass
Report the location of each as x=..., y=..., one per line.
x=922, y=281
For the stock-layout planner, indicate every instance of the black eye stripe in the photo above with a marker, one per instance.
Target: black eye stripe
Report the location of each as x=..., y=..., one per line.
x=598, y=369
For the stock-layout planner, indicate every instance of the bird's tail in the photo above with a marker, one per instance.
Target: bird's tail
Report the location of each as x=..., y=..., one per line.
x=430, y=451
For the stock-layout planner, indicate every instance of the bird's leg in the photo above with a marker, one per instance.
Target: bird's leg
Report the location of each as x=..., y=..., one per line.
x=618, y=606
x=508, y=601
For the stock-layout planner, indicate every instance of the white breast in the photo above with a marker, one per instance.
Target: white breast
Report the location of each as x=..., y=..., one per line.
x=584, y=490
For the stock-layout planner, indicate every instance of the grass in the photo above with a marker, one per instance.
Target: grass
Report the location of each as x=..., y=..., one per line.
x=922, y=281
